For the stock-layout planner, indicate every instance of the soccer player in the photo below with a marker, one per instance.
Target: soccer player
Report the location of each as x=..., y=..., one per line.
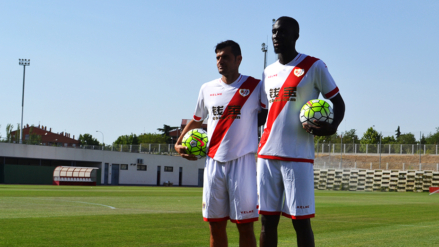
x=286, y=150
x=232, y=103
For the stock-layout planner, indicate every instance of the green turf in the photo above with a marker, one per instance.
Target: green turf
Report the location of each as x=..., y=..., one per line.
x=171, y=216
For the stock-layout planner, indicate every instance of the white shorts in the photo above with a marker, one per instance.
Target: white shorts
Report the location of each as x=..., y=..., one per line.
x=229, y=190
x=287, y=187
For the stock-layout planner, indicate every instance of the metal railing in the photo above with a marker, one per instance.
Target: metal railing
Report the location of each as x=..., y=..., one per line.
x=377, y=148
x=150, y=148
x=348, y=164
x=327, y=155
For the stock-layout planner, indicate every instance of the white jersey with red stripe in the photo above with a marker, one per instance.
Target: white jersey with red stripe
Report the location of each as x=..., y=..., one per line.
x=288, y=87
x=233, y=115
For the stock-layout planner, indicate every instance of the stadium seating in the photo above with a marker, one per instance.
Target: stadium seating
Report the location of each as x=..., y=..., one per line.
x=375, y=180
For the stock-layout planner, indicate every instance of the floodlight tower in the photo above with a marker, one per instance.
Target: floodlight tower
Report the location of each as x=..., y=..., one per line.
x=264, y=50
x=24, y=62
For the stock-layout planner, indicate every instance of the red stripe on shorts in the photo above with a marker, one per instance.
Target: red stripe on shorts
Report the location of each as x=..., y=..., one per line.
x=224, y=124
x=286, y=159
x=278, y=104
x=298, y=217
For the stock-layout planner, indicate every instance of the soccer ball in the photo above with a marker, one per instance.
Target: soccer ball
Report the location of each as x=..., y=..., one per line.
x=196, y=142
x=316, y=109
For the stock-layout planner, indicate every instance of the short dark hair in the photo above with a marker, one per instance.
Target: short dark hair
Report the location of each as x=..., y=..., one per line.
x=292, y=23
x=236, y=50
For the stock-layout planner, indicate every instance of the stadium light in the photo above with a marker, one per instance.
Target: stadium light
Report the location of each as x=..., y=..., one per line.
x=103, y=144
x=264, y=50
x=24, y=63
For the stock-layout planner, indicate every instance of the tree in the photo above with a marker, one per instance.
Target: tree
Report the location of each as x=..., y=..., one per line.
x=8, y=132
x=371, y=136
x=166, y=129
x=127, y=140
x=433, y=138
x=87, y=139
x=398, y=132
x=350, y=136
x=327, y=139
x=407, y=138
x=17, y=134
x=423, y=139
x=388, y=140
x=34, y=138
x=152, y=138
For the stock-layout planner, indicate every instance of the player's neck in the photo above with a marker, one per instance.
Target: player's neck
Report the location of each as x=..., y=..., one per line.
x=229, y=79
x=287, y=57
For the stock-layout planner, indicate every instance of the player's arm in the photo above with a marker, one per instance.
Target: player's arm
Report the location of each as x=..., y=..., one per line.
x=324, y=128
x=262, y=116
x=182, y=149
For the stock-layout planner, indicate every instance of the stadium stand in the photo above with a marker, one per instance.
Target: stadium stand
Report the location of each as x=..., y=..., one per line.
x=375, y=180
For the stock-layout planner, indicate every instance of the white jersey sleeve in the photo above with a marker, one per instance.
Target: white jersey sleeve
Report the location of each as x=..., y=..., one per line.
x=324, y=81
x=263, y=94
x=201, y=111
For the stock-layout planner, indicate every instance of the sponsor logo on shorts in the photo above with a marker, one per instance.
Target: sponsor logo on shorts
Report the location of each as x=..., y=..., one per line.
x=303, y=207
x=257, y=206
x=247, y=212
x=204, y=205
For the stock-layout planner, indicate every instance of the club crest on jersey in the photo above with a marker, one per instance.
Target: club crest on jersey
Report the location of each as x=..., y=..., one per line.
x=299, y=72
x=244, y=92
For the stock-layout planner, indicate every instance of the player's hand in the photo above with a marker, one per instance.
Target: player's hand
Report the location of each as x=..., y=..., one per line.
x=319, y=128
x=182, y=151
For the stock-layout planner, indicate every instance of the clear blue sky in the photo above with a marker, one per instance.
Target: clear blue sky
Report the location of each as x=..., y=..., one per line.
x=124, y=67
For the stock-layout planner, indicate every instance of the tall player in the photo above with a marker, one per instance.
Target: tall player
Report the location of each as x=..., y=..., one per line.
x=232, y=103
x=286, y=150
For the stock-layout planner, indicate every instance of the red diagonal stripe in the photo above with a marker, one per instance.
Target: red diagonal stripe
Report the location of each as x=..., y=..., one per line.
x=223, y=125
x=278, y=104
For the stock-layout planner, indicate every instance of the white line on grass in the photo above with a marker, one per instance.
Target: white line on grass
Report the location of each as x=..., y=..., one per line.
x=80, y=202
x=94, y=204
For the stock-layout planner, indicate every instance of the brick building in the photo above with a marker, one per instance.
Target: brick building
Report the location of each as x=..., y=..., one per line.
x=177, y=132
x=45, y=137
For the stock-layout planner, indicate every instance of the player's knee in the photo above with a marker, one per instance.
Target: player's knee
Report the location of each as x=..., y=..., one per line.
x=269, y=221
x=218, y=226
x=246, y=228
x=303, y=225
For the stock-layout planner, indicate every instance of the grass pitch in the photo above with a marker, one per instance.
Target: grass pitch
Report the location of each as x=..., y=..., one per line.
x=171, y=216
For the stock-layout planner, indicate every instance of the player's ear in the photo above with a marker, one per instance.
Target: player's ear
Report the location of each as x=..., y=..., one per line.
x=238, y=59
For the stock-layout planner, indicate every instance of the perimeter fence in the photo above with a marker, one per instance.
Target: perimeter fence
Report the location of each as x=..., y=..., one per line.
x=328, y=155
x=378, y=156
x=376, y=148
